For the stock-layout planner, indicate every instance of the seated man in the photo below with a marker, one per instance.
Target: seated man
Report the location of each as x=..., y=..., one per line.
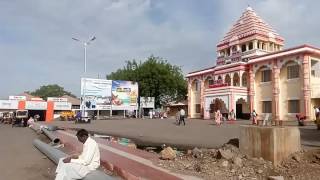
x=77, y=167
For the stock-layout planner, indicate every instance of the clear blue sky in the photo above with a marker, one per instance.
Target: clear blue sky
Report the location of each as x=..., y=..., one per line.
x=36, y=46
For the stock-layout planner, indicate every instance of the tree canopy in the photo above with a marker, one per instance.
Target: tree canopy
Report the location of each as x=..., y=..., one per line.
x=156, y=78
x=51, y=90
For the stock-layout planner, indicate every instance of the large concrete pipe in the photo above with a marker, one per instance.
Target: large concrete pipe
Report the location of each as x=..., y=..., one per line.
x=35, y=127
x=55, y=155
x=51, y=136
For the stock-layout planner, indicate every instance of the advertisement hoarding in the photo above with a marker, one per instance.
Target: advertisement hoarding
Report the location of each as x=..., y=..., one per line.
x=124, y=95
x=96, y=94
x=147, y=102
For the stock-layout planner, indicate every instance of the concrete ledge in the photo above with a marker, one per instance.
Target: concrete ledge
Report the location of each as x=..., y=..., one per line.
x=271, y=143
x=130, y=164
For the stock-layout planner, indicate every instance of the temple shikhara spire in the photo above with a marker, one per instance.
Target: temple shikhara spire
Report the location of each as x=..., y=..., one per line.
x=254, y=72
x=249, y=36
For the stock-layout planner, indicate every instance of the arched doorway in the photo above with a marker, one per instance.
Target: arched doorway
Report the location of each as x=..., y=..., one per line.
x=218, y=104
x=242, y=109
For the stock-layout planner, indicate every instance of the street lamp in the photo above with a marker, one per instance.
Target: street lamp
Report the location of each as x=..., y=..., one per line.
x=85, y=44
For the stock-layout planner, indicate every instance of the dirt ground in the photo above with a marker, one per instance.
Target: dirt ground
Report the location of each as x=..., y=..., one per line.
x=209, y=164
x=18, y=157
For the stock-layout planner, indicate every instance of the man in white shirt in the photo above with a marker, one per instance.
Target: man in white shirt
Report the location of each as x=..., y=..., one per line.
x=182, y=114
x=77, y=167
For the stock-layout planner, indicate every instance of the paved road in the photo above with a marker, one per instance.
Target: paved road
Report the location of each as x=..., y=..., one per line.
x=197, y=133
x=19, y=159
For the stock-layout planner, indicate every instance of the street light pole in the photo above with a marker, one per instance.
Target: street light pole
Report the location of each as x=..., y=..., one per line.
x=85, y=44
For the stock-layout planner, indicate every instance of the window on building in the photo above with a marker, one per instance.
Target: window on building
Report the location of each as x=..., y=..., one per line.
x=293, y=71
x=210, y=81
x=293, y=106
x=234, y=49
x=228, y=52
x=266, y=75
x=244, y=80
x=263, y=46
x=315, y=68
x=243, y=48
x=198, y=85
x=266, y=106
x=250, y=45
x=198, y=108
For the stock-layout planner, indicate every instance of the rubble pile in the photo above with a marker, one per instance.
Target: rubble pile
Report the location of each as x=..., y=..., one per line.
x=228, y=163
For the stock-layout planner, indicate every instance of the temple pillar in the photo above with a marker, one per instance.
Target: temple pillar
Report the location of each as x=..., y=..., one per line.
x=275, y=92
x=247, y=47
x=231, y=101
x=260, y=45
x=202, y=98
x=306, y=86
x=238, y=48
x=251, y=88
x=189, y=98
x=255, y=44
x=240, y=78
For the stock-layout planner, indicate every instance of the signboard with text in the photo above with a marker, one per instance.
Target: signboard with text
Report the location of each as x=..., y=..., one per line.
x=62, y=106
x=57, y=99
x=8, y=104
x=19, y=98
x=36, y=105
x=96, y=94
x=218, y=83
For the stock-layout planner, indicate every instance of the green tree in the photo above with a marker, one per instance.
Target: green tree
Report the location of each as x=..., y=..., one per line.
x=51, y=90
x=156, y=77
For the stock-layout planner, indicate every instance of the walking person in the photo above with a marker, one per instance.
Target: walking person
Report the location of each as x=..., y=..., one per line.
x=218, y=117
x=177, y=118
x=182, y=114
x=232, y=116
x=254, y=117
x=317, y=114
x=77, y=167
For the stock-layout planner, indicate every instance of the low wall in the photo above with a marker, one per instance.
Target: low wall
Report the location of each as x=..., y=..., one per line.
x=271, y=143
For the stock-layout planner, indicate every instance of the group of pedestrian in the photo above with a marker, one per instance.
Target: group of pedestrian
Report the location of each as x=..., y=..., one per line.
x=218, y=117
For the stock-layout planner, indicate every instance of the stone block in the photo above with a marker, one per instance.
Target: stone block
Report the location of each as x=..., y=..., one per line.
x=270, y=143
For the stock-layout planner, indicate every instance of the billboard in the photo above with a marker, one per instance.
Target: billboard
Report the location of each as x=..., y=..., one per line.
x=147, y=102
x=124, y=95
x=96, y=94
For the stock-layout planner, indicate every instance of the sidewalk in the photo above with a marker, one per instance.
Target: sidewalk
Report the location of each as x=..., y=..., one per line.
x=126, y=162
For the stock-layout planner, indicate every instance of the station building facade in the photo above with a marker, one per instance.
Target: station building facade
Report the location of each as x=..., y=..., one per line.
x=254, y=72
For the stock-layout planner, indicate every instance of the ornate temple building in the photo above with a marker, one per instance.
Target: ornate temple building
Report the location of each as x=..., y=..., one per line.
x=254, y=72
